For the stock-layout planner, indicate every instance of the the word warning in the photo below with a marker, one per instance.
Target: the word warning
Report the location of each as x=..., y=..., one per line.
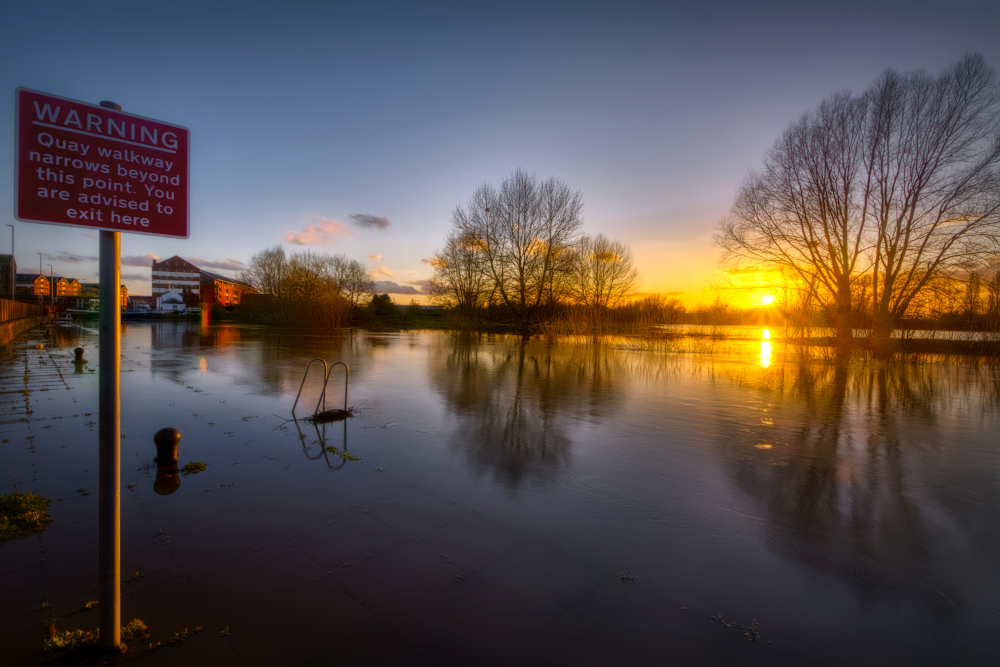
x=85, y=165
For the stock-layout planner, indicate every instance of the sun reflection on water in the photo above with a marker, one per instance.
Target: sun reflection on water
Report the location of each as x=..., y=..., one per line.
x=765, y=353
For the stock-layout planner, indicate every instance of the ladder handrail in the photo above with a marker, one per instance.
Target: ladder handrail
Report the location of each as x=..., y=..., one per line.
x=347, y=377
x=326, y=376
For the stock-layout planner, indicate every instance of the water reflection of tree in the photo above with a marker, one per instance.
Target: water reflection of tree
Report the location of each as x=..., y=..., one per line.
x=268, y=362
x=515, y=403
x=852, y=487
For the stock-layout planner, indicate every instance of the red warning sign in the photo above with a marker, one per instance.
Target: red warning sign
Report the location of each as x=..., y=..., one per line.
x=85, y=165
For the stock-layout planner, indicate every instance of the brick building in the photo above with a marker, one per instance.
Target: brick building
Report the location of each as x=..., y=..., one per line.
x=32, y=284
x=36, y=284
x=222, y=290
x=176, y=274
x=179, y=275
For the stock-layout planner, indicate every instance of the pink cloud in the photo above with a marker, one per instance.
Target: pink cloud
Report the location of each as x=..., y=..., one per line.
x=381, y=271
x=323, y=231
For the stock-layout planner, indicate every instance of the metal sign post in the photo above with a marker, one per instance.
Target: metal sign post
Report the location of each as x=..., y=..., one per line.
x=109, y=439
x=109, y=457
x=83, y=165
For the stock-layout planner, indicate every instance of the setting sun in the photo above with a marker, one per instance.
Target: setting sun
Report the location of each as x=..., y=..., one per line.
x=767, y=299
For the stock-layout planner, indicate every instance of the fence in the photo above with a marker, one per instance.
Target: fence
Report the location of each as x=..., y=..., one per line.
x=15, y=310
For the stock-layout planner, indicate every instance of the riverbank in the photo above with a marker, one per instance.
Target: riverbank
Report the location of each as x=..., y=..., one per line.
x=12, y=329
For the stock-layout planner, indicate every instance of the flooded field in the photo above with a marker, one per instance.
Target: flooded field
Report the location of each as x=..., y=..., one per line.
x=493, y=502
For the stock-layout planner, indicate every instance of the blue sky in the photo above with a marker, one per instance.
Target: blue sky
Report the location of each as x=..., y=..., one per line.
x=307, y=116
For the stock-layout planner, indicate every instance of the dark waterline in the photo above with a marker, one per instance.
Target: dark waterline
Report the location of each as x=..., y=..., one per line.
x=851, y=509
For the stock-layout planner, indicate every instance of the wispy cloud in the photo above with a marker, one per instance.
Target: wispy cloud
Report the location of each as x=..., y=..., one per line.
x=225, y=265
x=134, y=276
x=389, y=287
x=70, y=258
x=375, y=256
x=370, y=220
x=322, y=231
x=433, y=261
x=381, y=271
x=144, y=261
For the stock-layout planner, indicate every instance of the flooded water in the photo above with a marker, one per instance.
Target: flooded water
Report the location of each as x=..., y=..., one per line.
x=851, y=510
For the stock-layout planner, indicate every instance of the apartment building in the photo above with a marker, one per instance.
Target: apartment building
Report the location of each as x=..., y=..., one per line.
x=181, y=276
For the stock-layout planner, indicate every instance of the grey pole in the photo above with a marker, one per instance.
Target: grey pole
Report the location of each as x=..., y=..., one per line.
x=12, y=285
x=109, y=440
x=52, y=289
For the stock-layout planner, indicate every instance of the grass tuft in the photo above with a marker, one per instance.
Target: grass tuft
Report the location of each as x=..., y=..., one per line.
x=193, y=468
x=185, y=634
x=80, y=647
x=22, y=514
x=347, y=456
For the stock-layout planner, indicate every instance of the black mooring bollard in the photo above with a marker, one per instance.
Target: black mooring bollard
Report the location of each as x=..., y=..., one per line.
x=79, y=355
x=168, y=478
x=167, y=440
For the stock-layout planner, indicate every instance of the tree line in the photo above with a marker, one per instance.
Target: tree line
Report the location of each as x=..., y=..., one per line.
x=517, y=255
x=305, y=289
x=870, y=206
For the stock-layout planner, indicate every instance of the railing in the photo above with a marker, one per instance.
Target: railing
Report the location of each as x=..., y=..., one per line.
x=15, y=310
x=327, y=372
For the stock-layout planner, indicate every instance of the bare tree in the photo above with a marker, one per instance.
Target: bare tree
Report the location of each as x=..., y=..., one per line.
x=267, y=271
x=900, y=182
x=972, y=298
x=603, y=273
x=327, y=286
x=459, y=277
x=310, y=276
x=354, y=282
x=524, y=232
x=933, y=150
x=798, y=216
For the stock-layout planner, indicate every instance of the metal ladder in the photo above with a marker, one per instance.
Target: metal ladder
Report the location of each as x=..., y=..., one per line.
x=327, y=372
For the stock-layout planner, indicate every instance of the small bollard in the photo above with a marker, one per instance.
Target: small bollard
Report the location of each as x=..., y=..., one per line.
x=79, y=355
x=166, y=440
x=168, y=478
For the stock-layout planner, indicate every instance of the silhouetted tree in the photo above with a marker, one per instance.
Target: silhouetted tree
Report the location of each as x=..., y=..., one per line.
x=524, y=232
x=381, y=305
x=266, y=271
x=900, y=182
x=459, y=279
x=603, y=272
